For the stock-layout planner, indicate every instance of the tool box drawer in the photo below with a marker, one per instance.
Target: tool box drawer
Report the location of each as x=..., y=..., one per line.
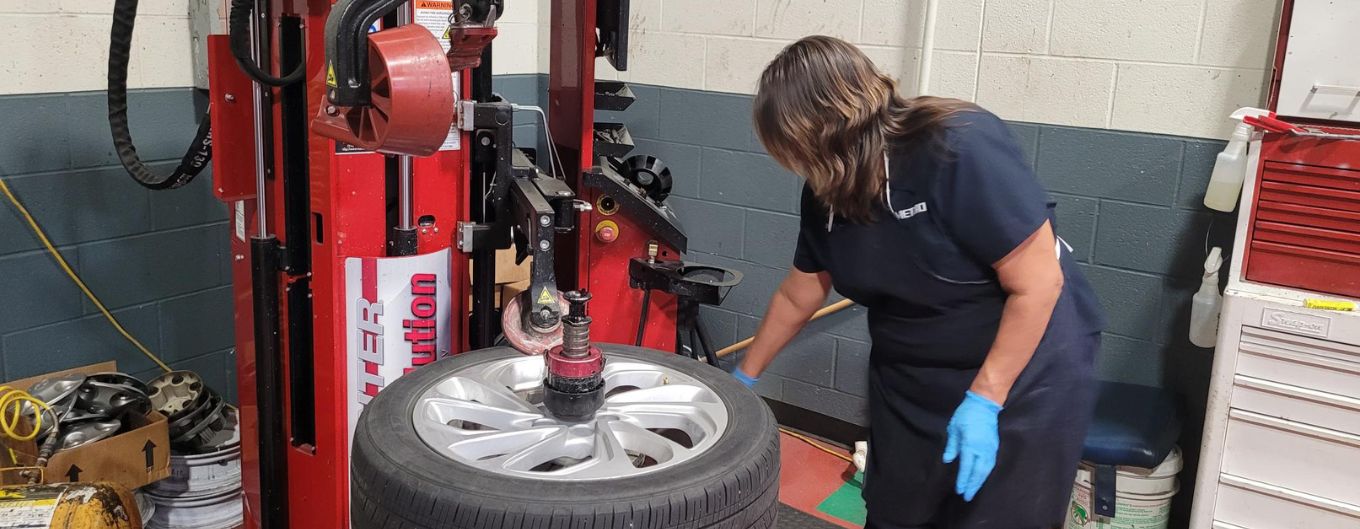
x=1308, y=459
x=1305, y=230
x=1320, y=365
x=1297, y=404
x=1247, y=504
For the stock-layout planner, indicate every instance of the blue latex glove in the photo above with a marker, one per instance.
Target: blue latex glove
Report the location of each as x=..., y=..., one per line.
x=741, y=376
x=973, y=440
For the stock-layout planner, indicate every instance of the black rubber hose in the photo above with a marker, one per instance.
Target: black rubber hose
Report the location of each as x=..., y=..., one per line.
x=199, y=153
x=642, y=321
x=238, y=30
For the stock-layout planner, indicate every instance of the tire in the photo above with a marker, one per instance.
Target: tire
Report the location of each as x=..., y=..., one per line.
x=399, y=482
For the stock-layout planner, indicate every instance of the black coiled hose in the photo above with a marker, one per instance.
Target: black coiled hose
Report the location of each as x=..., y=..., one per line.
x=199, y=153
x=238, y=27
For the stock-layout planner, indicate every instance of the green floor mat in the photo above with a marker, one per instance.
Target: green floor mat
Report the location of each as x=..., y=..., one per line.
x=846, y=503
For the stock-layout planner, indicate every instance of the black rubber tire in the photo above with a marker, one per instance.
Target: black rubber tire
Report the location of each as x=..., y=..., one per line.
x=397, y=482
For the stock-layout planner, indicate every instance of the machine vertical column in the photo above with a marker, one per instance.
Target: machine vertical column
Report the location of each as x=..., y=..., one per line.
x=265, y=294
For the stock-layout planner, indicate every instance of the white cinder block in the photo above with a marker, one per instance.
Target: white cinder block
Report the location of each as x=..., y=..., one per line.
x=953, y=74
x=516, y=49
x=161, y=52
x=1047, y=90
x=1239, y=33
x=902, y=64
x=29, y=6
x=179, y=8
x=666, y=59
x=1141, y=30
x=958, y=24
x=1185, y=100
x=893, y=22
x=63, y=54
x=1018, y=26
x=709, y=17
x=645, y=15
x=521, y=12
x=735, y=64
x=793, y=19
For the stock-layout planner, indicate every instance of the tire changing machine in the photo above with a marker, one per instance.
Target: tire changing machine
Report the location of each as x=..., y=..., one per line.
x=369, y=186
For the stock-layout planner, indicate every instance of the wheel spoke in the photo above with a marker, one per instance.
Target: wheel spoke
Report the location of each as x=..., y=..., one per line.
x=552, y=447
x=609, y=457
x=488, y=393
x=500, y=445
x=449, y=412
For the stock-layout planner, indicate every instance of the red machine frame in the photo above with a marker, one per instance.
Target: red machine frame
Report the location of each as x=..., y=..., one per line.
x=344, y=215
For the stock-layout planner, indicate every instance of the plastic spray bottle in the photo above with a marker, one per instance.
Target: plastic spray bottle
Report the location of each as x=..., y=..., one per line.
x=1230, y=168
x=1207, y=302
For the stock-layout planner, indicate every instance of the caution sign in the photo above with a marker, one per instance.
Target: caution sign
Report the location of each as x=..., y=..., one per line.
x=330, y=74
x=544, y=298
x=434, y=16
x=27, y=508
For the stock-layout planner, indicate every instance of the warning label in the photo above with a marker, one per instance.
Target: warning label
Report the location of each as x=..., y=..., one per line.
x=26, y=509
x=434, y=15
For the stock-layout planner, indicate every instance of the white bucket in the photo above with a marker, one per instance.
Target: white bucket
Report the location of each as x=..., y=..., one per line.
x=225, y=511
x=1142, y=498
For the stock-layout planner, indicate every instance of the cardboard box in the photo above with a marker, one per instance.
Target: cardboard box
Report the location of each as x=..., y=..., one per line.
x=134, y=458
x=506, y=270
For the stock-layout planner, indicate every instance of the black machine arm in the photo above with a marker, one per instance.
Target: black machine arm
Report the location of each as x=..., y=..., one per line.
x=535, y=224
x=347, y=48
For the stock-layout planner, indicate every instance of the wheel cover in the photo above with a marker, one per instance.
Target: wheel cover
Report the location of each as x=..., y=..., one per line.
x=489, y=416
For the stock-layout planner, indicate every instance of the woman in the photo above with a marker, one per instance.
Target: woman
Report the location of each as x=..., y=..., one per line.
x=925, y=212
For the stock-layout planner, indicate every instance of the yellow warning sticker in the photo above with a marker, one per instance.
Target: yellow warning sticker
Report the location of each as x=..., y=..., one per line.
x=28, y=510
x=1329, y=304
x=448, y=33
x=330, y=74
x=544, y=297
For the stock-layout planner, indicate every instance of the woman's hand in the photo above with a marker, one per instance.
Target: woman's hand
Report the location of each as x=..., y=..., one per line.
x=973, y=441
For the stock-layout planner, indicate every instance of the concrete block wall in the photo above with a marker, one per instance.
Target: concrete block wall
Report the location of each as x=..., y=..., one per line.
x=1163, y=66
x=157, y=259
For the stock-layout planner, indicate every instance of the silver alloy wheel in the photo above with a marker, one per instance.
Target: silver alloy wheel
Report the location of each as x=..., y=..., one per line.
x=490, y=416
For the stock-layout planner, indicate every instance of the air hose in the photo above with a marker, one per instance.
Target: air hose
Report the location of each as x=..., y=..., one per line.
x=238, y=27
x=200, y=151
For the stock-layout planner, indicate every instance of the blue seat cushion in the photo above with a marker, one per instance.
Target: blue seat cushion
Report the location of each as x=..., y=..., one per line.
x=1133, y=426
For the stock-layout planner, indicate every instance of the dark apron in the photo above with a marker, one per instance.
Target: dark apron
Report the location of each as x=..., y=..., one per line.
x=926, y=353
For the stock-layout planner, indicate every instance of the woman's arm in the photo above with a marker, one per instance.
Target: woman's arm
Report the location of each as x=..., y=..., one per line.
x=800, y=295
x=1033, y=279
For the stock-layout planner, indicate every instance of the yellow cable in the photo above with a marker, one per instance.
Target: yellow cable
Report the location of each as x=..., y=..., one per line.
x=61, y=261
x=11, y=398
x=817, y=445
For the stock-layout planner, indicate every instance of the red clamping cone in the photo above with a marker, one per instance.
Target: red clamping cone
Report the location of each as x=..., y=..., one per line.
x=411, y=104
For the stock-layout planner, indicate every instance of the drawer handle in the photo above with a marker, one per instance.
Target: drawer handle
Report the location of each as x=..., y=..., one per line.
x=1318, y=87
x=1295, y=392
x=1266, y=489
x=1324, y=434
x=1308, y=359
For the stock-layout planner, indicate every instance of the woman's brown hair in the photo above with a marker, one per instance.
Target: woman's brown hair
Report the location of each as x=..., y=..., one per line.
x=826, y=113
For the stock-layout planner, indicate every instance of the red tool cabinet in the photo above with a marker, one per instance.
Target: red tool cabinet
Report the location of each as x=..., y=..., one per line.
x=1304, y=229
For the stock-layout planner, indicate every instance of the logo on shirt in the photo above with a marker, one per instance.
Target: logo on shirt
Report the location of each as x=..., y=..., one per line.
x=904, y=214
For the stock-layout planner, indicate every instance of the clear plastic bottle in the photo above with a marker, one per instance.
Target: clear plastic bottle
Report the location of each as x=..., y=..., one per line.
x=1207, y=302
x=1230, y=168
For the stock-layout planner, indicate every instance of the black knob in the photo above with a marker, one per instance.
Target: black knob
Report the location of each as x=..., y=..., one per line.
x=576, y=304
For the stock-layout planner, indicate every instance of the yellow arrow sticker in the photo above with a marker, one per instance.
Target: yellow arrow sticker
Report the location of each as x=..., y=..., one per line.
x=545, y=298
x=330, y=74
